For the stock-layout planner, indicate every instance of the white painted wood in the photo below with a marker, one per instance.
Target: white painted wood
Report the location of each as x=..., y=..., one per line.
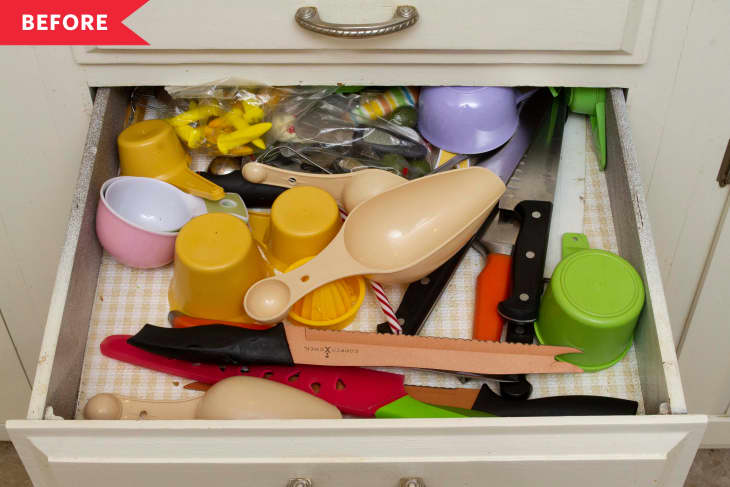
x=46, y=114
x=703, y=353
x=16, y=388
x=566, y=31
x=717, y=434
x=684, y=199
x=519, y=452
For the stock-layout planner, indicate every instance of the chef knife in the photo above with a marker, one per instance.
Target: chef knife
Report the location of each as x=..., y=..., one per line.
x=353, y=390
x=528, y=200
x=421, y=296
x=486, y=400
x=285, y=344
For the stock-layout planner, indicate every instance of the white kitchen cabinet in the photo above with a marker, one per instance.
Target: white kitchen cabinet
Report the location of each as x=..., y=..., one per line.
x=689, y=210
x=467, y=31
x=12, y=377
x=638, y=46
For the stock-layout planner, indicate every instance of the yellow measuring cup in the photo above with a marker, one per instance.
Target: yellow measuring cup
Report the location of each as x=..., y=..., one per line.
x=151, y=149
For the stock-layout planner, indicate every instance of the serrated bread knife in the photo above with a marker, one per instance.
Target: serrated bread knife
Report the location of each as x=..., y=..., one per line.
x=289, y=344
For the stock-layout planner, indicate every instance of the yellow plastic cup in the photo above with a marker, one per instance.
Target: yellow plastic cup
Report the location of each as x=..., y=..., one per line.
x=151, y=149
x=332, y=306
x=304, y=220
x=216, y=261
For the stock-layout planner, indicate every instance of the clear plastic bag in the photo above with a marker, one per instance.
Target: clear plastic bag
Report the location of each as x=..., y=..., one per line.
x=308, y=128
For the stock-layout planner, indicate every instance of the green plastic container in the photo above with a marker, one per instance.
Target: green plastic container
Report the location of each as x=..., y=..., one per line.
x=592, y=303
x=592, y=102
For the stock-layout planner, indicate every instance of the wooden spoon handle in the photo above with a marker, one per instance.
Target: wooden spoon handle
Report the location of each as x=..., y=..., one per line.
x=269, y=300
x=334, y=184
x=114, y=406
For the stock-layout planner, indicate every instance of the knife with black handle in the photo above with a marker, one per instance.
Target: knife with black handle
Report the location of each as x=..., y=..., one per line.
x=254, y=195
x=421, y=296
x=528, y=263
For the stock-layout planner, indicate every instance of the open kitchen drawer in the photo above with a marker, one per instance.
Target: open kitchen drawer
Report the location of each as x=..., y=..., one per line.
x=656, y=448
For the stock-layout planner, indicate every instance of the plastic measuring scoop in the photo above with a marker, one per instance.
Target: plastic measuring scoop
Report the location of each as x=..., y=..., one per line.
x=231, y=398
x=349, y=189
x=161, y=207
x=150, y=148
x=592, y=102
x=398, y=236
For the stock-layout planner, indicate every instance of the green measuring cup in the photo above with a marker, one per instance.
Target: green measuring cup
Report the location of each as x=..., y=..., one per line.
x=592, y=303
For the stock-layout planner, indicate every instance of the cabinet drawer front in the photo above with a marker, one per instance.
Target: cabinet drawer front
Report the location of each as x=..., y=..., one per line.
x=474, y=30
x=519, y=452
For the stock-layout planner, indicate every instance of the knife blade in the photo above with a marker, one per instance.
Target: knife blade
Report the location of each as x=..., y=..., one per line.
x=421, y=297
x=289, y=344
x=488, y=401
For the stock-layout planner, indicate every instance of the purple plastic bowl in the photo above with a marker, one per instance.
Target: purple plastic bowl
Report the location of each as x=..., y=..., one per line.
x=468, y=119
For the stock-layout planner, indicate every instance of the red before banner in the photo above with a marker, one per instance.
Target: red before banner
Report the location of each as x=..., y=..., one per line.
x=69, y=22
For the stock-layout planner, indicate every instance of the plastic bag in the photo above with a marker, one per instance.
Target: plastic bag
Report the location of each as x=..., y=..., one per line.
x=345, y=132
x=308, y=128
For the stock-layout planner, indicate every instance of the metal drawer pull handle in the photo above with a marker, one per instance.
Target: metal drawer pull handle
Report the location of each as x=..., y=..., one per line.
x=404, y=17
x=412, y=482
x=299, y=482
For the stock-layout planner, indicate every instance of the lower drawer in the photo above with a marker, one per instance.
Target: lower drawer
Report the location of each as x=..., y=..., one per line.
x=653, y=449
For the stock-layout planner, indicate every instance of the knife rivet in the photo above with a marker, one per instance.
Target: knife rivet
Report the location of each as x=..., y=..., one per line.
x=425, y=281
x=524, y=297
x=530, y=254
x=536, y=214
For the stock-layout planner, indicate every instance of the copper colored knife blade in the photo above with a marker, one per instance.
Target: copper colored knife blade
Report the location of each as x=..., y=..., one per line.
x=326, y=347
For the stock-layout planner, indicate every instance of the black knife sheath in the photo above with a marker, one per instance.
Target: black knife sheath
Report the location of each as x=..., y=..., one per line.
x=218, y=344
x=489, y=402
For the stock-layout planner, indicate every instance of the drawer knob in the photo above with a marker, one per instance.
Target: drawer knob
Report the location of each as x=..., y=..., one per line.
x=299, y=482
x=412, y=482
x=308, y=18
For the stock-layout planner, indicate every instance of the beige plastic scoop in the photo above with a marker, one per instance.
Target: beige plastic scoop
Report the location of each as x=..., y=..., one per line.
x=237, y=397
x=398, y=236
x=349, y=189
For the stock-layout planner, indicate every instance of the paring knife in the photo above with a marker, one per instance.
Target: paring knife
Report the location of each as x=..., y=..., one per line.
x=486, y=400
x=421, y=297
x=353, y=390
x=289, y=344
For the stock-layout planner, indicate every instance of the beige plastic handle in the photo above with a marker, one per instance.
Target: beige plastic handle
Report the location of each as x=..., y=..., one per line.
x=334, y=184
x=348, y=189
x=269, y=300
x=113, y=406
x=238, y=397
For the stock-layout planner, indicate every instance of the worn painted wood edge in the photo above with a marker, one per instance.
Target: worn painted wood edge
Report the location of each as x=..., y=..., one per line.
x=653, y=337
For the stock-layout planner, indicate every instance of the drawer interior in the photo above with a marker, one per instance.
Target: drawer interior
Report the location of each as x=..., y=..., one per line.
x=87, y=276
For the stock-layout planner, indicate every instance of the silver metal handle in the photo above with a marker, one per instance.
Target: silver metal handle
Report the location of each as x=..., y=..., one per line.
x=404, y=17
